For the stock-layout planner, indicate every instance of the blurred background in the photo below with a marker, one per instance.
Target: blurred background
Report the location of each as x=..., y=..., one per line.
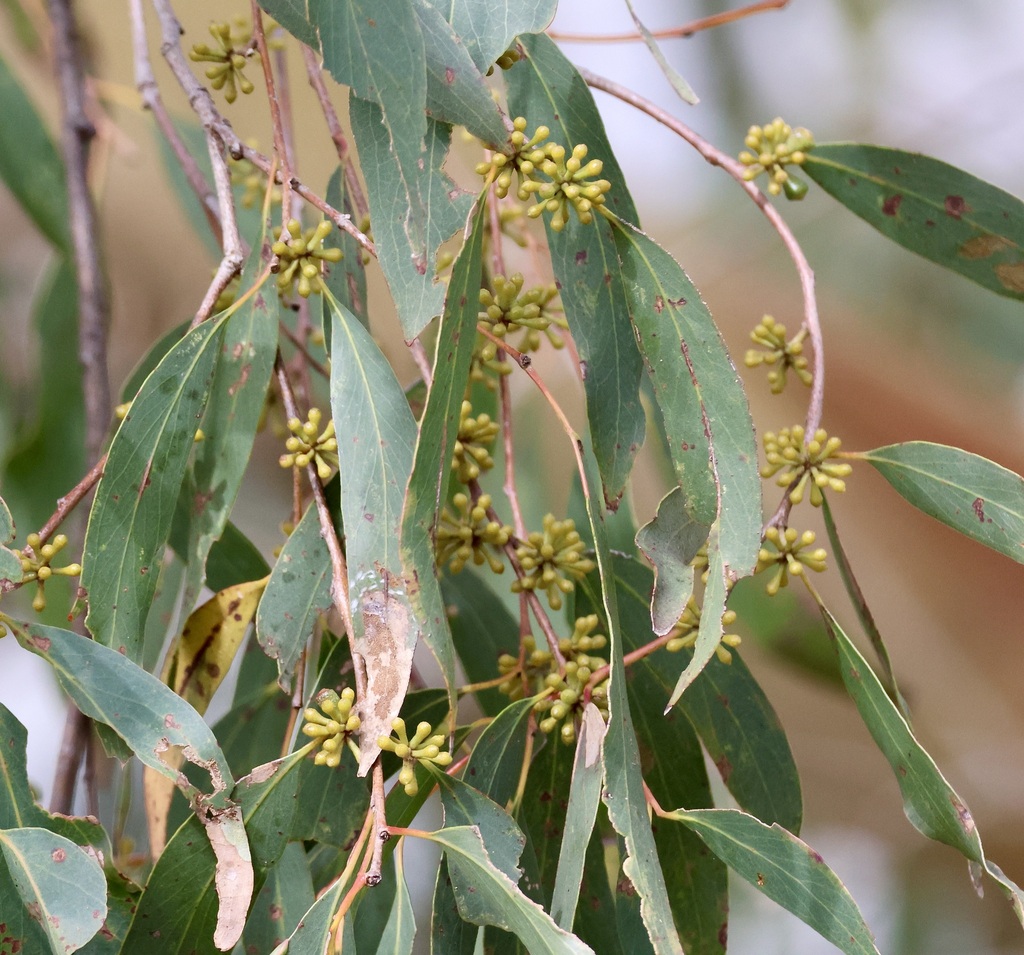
x=912, y=352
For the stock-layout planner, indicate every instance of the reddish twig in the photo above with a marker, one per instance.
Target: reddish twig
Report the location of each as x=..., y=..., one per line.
x=686, y=30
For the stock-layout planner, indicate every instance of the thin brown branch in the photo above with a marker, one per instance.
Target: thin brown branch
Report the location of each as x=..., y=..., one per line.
x=419, y=355
x=380, y=825
x=669, y=33
x=353, y=188
x=298, y=343
x=735, y=169
x=67, y=503
x=146, y=84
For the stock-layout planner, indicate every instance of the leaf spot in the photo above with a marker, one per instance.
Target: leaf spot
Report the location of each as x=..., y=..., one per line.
x=58, y=855
x=956, y=206
x=1011, y=276
x=760, y=880
x=892, y=205
x=978, y=506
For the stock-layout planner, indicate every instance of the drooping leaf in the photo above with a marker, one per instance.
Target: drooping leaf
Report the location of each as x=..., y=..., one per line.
x=61, y=884
x=977, y=497
x=456, y=91
x=314, y=929
x=48, y=456
x=496, y=762
x=670, y=540
x=683, y=89
x=541, y=814
x=233, y=559
x=707, y=420
x=934, y=209
x=293, y=15
x=281, y=903
x=548, y=90
x=494, y=899
x=435, y=445
x=584, y=798
x=234, y=407
x=930, y=803
x=298, y=592
x=376, y=433
x=131, y=517
x=345, y=279
x=786, y=870
x=378, y=52
x=623, y=793
x=674, y=767
x=709, y=633
x=417, y=293
x=487, y=29
x=30, y=165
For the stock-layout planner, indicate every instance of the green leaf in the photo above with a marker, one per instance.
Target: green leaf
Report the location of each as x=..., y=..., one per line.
x=293, y=15
x=439, y=428
x=48, y=456
x=495, y=899
x=482, y=629
x=977, y=497
x=683, y=89
x=456, y=91
x=929, y=207
x=298, y=592
x=131, y=517
x=398, y=932
x=930, y=803
x=670, y=540
x=30, y=165
x=548, y=90
x=281, y=903
x=584, y=798
x=61, y=883
x=488, y=27
x=671, y=754
x=233, y=559
x=418, y=294
x=707, y=421
x=496, y=762
x=541, y=814
x=376, y=433
x=233, y=410
x=378, y=52
x=786, y=870
x=623, y=793
x=346, y=279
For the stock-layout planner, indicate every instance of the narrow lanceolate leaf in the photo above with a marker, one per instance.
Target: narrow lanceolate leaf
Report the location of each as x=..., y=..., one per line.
x=131, y=517
x=281, y=903
x=786, y=870
x=30, y=166
x=584, y=798
x=707, y=421
x=347, y=278
x=936, y=210
x=399, y=931
x=670, y=540
x=413, y=282
x=488, y=29
x=236, y=401
x=548, y=90
x=494, y=899
x=977, y=497
x=298, y=592
x=293, y=15
x=709, y=633
x=376, y=434
x=61, y=884
x=151, y=719
x=377, y=50
x=623, y=792
x=682, y=88
x=496, y=762
x=930, y=803
x=434, y=447
x=456, y=91
x=10, y=561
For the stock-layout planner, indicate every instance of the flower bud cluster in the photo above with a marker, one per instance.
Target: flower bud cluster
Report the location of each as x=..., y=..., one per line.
x=550, y=558
x=803, y=464
x=301, y=256
x=228, y=58
x=790, y=553
x=471, y=535
x=36, y=565
x=476, y=435
x=770, y=149
x=554, y=179
x=685, y=631
x=308, y=443
x=779, y=352
x=424, y=747
x=334, y=724
x=509, y=308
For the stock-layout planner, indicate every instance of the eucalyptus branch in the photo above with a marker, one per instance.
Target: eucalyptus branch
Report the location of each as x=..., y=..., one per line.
x=686, y=30
x=735, y=169
x=71, y=500
x=301, y=347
